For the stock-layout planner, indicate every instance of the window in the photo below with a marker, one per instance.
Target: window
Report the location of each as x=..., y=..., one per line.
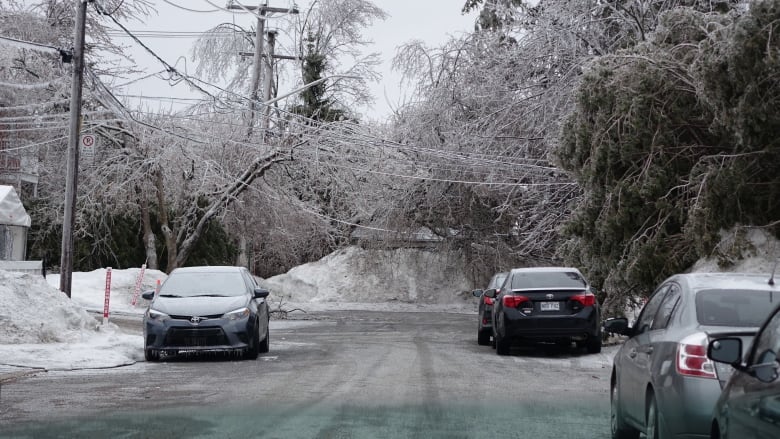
x=648, y=313
x=727, y=307
x=667, y=307
x=525, y=280
x=768, y=340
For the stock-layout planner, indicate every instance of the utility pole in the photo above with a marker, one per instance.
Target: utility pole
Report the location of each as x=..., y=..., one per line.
x=269, y=72
x=258, y=54
x=69, y=217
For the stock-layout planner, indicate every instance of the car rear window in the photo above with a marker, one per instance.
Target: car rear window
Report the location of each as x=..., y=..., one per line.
x=547, y=279
x=734, y=307
x=189, y=284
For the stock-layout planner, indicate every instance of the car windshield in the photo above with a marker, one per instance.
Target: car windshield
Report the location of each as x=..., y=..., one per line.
x=747, y=308
x=189, y=284
x=547, y=279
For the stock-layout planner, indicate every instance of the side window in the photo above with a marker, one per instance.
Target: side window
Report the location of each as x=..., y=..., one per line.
x=250, y=283
x=506, y=285
x=667, y=307
x=645, y=320
x=768, y=342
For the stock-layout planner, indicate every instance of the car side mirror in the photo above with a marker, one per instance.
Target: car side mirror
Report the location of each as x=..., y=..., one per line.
x=261, y=293
x=726, y=350
x=618, y=325
x=477, y=293
x=148, y=295
x=492, y=293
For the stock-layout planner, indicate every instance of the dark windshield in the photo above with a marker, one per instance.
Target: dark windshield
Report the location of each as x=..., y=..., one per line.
x=734, y=307
x=188, y=284
x=547, y=279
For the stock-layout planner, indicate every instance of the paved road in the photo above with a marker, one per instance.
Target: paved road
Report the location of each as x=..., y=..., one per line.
x=347, y=374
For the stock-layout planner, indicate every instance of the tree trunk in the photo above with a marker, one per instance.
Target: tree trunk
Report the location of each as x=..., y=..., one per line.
x=168, y=233
x=150, y=242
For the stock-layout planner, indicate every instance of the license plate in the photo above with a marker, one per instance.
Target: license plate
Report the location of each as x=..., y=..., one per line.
x=550, y=306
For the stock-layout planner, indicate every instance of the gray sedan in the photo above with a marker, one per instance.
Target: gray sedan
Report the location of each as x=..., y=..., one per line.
x=662, y=382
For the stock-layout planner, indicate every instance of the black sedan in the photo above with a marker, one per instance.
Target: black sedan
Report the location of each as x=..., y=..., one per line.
x=206, y=309
x=485, y=314
x=749, y=406
x=545, y=304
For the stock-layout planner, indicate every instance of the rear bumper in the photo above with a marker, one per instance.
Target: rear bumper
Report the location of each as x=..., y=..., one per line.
x=580, y=326
x=485, y=318
x=688, y=405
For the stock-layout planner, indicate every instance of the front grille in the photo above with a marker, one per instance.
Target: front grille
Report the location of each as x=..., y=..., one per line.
x=196, y=337
x=213, y=316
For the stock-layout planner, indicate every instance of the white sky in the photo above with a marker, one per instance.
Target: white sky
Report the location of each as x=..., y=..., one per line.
x=431, y=21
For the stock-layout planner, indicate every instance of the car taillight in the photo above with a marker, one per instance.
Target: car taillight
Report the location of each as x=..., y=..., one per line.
x=488, y=300
x=692, y=357
x=514, y=301
x=587, y=299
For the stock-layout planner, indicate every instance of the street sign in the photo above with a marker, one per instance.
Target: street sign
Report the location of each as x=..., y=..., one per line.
x=87, y=148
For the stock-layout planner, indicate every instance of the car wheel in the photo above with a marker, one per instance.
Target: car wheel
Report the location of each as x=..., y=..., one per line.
x=254, y=345
x=483, y=337
x=617, y=424
x=502, y=344
x=593, y=345
x=151, y=354
x=654, y=427
x=715, y=432
x=265, y=344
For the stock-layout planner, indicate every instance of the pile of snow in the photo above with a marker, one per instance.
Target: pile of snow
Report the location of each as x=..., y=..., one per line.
x=742, y=251
x=34, y=312
x=41, y=328
x=88, y=289
x=360, y=276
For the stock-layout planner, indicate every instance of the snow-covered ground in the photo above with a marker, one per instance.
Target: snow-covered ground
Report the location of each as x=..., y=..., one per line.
x=41, y=328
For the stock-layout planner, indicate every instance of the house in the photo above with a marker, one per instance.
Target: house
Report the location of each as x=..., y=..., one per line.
x=14, y=222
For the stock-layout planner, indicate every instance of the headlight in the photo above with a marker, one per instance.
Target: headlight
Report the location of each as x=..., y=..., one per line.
x=237, y=314
x=157, y=315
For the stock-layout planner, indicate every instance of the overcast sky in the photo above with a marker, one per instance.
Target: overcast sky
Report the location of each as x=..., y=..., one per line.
x=432, y=21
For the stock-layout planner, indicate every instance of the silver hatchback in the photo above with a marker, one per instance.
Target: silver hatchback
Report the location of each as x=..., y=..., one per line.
x=662, y=382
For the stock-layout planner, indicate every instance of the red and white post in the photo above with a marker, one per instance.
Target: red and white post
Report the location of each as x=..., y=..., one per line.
x=108, y=295
x=138, y=283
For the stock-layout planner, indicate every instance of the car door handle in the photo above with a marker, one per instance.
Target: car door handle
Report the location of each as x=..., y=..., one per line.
x=647, y=350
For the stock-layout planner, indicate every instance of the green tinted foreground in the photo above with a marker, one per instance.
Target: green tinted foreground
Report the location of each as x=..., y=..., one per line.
x=583, y=421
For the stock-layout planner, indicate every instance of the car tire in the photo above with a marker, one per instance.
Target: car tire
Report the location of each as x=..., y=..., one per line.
x=151, y=354
x=253, y=350
x=265, y=344
x=502, y=344
x=618, y=425
x=483, y=337
x=654, y=425
x=593, y=345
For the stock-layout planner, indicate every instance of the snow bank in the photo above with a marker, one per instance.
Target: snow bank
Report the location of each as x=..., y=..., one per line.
x=358, y=275
x=35, y=312
x=40, y=327
x=742, y=251
x=88, y=288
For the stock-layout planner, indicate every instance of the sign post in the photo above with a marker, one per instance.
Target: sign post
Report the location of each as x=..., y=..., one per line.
x=138, y=284
x=108, y=295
